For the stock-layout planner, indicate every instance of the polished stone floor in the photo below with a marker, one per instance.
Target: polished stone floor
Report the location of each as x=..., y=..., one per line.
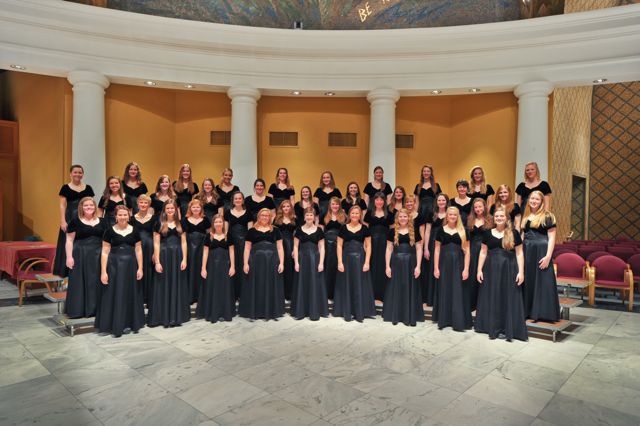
x=327, y=372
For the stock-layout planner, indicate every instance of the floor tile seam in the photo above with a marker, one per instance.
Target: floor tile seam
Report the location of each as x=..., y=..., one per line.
x=316, y=417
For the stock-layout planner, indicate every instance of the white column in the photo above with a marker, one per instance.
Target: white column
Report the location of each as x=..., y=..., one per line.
x=244, y=135
x=88, y=142
x=382, y=138
x=533, y=127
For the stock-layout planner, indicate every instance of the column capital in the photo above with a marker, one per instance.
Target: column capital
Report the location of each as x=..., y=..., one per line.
x=383, y=94
x=243, y=91
x=533, y=88
x=91, y=77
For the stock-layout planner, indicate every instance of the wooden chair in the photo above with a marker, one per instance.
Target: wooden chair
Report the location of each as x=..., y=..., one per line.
x=613, y=273
x=27, y=275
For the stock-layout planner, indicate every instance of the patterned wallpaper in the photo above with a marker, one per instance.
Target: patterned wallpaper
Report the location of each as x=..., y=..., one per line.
x=614, y=193
x=569, y=148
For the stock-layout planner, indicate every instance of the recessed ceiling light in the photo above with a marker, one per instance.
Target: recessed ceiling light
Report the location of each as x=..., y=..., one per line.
x=150, y=83
x=474, y=90
x=436, y=92
x=296, y=93
x=599, y=80
x=189, y=86
x=329, y=93
x=18, y=67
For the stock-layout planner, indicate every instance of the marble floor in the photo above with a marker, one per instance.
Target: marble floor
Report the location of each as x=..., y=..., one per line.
x=290, y=372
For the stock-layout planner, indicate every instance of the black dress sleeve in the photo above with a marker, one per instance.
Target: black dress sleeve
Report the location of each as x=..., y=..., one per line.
x=317, y=192
x=418, y=237
x=416, y=190
x=490, y=190
x=107, y=236
x=337, y=193
x=136, y=235
x=438, y=189
x=487, y=234
x=251, y=235
x=269, y=203
x=520, y=189
x=391, y=234
x=365, y=231
x=343, y=232
x=72, y=226
x=517, y=240
x=64, y=191
x=439, y=236
x=320, y=234
x=156, y=227
x=544, y=187
x=277, y=234
x=272, y=189
x=89, y=191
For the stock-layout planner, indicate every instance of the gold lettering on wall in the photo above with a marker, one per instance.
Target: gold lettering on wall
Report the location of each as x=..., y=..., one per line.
x=366, y=9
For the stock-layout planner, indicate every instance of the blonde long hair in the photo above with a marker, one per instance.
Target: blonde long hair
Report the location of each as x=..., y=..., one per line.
x=534, y=164
x=180, y=184
x=412, y=232
x=280, y=213
x=81, y=203
x=164, y=219
x=509, y=203
x=542, y=215
x=508, y=241
x=459, y=226
x=341, y=216
x=483, y=182
x=224, y=226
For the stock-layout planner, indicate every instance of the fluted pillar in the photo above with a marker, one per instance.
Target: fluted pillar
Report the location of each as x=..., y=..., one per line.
x=533, y=126
x=244, y=135
x=382, y=138
x=88, y=137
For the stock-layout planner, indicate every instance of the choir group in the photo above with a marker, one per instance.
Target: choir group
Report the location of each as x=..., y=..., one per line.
x=479, y=251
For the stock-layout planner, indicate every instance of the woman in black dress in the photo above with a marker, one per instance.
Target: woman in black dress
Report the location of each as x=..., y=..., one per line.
x=262, y=288
x=376, y=185
x=286, y=222
x=434, y=222
x=112, y=196
x=171, y=296
x=238, y=220
x=196, y=226
x=309, y=297
x=397, y=200
x=501, y=274
x=185, y=188
x=259, y=200
x=451, y=270
x=378, y=220
x=427, y=190
x=403, y=298
x=84, y=242
x=282, y=189
x=306, y=201
x=133, y=185
x=70, y=195
x=226, y=188
x=332, y=222
x=540, y=288
x=479, y=188
x=353, y=293
x=325, y=191
x=353, y=198
x=505, y=200
x=144, y=222
x=120, y=301
x=210, y=199
x=533, y=182
x=217, y=298
x=478, y=222
x=462, y=202
x=163, y=193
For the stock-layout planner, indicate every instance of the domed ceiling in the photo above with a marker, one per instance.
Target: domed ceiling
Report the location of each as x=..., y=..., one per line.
x=340, y=14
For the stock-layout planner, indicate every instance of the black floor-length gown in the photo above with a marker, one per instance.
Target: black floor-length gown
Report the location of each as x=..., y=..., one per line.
x=403, y=296
x=171, y=295
x=255, y=206
x=238, y=227
x=157, y=204
x=225, y=196
x=133, y=194
x=211, y=208
x=477, y=194
x=299, y=211
x=287, y=230
x=217, y=299
x=309, y=298
x=451, y=308
x=500, y=306
x=427, y=198
x=331, y=231
x=262, y=293
x=146, y=238
x=540, y=289
x=353, y=297
x=109, y=208
x=196, y=234
x=84, y=279
x=346, y=205
x=279, y=195
x=379, y=228
x=73, y=199
x=371, y=192
x=427, y=279
x=475, y=244
x=120, y=303
x=464, y=209
x=523, y=191
x=184, y=197
x=515, y=211
x=324, y=198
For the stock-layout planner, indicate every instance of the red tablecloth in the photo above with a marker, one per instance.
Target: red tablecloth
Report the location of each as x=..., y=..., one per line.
x=12, y=252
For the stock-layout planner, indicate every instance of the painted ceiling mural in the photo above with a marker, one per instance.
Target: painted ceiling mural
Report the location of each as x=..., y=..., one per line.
x=340, y=14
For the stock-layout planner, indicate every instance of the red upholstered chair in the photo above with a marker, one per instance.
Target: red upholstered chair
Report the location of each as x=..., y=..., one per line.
x=560, y=250
x=585, y=251
x=596, y=254
x=27, y=272
x=612, y=273
x=634, y=263
x=571, y=265
x=623, y=253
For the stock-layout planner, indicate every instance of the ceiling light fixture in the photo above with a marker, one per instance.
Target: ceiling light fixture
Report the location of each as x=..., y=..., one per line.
x=436, y=92
x=189, y=86
x=474, y=90
x=600, y=80
x=329, y=93
x=18, y=67
x=150, y=83
x=296, y=93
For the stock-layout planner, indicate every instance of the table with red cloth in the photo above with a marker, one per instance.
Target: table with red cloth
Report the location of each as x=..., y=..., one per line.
x=12, y=253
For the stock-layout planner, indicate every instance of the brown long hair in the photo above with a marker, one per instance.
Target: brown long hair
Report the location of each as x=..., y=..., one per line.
x=224, y=225
x=348, y=196
x=170, y=191
x=125, y=175
x=507, y=205
x=164, y=219
x=436, y=210
x=106, y=194
x=341, y=216
x=280, y=213
x=81, y=203
x=332, y=182
x=180, y=184
x=432, y=178
x=471, y=220
x=483, y=182
x=192, y=203
x=214, y=194
x=396, y=227
x=287, y=181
